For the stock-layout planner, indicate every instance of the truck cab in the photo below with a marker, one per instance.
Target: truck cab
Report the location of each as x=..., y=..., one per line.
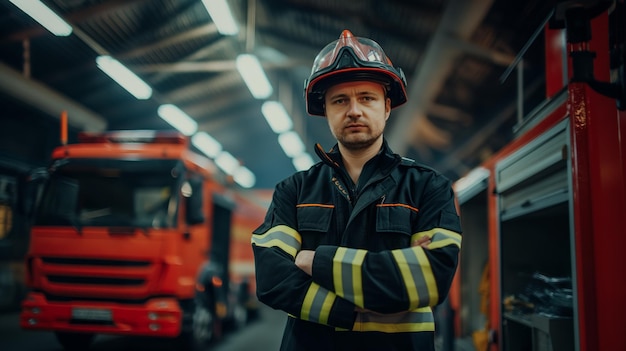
x=131, y=237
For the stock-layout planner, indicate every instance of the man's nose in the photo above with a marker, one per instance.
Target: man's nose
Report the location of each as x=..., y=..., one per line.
x=354, y=109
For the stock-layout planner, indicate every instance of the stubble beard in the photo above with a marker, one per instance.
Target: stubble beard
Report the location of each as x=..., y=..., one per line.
x=358, y=142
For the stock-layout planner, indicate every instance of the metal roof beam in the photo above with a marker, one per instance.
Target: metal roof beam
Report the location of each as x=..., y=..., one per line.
x=460, y=20
x=47, y=100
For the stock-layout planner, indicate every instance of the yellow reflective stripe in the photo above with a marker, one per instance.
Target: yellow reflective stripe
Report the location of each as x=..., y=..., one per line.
x=347, y=274
x=417, y=275
x=427, y=273
x=317, y=304
x=417, y=320
x=439, y=237
x=327, y=305
x=396, y=328
x=357, y=277
x=308, y=302
x=437, y=244
x=409, y=283
x=281, y=236
x=337, y=276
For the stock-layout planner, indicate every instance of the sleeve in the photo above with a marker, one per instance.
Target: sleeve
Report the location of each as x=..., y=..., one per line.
x=280, y=283
x=402, y=279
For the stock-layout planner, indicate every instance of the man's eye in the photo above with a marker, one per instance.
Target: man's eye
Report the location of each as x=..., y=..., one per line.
x=339, y=101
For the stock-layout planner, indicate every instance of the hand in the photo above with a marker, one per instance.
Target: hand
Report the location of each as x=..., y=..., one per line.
x=423, y=242
x=304, y=261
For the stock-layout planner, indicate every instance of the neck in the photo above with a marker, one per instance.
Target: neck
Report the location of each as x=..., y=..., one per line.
x=354, y=160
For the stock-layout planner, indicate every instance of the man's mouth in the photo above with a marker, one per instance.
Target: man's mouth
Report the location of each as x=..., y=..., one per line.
x=355, y=126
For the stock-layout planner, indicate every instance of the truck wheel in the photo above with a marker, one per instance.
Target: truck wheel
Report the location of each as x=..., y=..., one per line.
x=199, y=331
x=241, y=312
x=240, y=316
x=74, y=341
x=202, y=324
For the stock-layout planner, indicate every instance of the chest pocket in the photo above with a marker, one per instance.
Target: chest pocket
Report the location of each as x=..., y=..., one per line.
x=314, y=217
x=394, y=218
x=314, y=223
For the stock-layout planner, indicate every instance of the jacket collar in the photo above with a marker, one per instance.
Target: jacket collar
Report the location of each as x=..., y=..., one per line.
x=332, y=158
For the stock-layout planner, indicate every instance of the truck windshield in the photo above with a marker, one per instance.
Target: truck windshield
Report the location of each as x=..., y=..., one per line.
x=139, y=193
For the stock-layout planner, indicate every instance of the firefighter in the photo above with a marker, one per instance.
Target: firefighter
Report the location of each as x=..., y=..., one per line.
x=359, y=248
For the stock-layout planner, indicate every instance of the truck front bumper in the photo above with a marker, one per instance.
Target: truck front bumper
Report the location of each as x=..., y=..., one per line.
x=155, y=317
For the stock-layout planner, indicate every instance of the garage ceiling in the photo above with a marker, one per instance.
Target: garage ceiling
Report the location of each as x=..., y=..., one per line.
x=454, y=54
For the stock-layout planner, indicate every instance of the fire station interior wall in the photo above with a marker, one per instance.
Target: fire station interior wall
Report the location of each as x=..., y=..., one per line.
x=30, y=139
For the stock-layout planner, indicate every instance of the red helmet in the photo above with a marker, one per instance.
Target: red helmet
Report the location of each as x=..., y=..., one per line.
x=351, y=58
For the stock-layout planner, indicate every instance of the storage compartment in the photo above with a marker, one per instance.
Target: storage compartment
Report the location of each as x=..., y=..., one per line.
x=471, y=192
x=537, y=332
x=535, y=176
x=536, y=245
x=552, y=333
x=517, y=333
x=538, y=242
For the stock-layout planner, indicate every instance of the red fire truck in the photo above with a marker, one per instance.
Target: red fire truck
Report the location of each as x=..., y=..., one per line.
x=543, y=259
x=133, y=235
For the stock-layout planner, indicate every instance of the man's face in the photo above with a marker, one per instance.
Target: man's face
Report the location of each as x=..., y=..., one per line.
x=357, y=113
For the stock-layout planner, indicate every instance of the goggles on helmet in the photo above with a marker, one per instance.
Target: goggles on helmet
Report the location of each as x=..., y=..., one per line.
x=352, y=58
x=365, y=50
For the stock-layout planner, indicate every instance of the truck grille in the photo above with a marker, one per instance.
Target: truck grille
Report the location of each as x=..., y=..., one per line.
x=94, y=280
x=97, y=277
x=94, y=262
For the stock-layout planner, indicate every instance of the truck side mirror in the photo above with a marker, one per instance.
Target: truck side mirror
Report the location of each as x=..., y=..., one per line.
x=32, y=190
x=195, y=213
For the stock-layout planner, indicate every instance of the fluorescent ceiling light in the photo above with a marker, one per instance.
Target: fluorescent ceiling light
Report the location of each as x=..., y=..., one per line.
x=45, y=16
x=221, y=16
x=291, y=143
x=178, y=119
x=252, y=73
x=124, y=77
x=244, y=177
x=227, y=162
x=302, y=162
x=276, y=116
x=207, y=144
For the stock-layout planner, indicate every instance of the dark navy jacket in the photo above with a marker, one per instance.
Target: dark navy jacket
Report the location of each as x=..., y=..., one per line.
x=370, y=289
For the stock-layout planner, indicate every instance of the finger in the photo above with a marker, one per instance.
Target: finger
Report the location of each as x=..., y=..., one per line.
x=422, y=244
x=421, y=241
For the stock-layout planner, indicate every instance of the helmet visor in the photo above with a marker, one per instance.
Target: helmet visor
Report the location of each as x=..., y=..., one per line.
x=366, y=50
